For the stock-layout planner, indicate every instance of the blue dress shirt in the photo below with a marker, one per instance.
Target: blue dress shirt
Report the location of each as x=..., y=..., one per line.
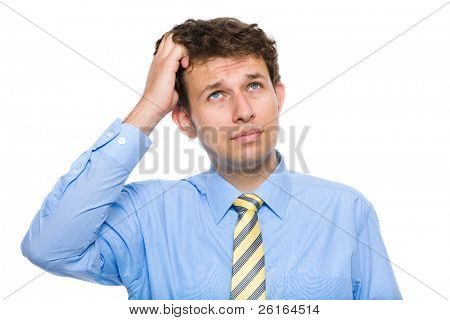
x=173, y=239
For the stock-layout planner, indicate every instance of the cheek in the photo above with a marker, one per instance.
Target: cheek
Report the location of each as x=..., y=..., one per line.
x=213, y=123
x=211, y=133
x=211, y=115
x=267, y=102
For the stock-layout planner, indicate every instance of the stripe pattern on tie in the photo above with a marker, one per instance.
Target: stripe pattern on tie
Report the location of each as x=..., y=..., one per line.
x=248, y=281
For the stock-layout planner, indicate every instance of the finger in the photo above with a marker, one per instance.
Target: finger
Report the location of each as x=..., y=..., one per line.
x=185, y=62
x=178, y=52
x=168, y=45
x=175, y=98
x=162, y=44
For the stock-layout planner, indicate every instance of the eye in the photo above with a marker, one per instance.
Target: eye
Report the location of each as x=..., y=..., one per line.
x=255, y=83
x=215, y=97
x=212, y=94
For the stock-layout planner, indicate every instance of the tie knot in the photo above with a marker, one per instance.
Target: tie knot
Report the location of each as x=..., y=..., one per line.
x=247, y=201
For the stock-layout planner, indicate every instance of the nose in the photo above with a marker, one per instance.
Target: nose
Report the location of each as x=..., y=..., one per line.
x=242, y=109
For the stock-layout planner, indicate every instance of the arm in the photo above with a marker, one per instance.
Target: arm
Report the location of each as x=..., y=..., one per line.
x=68, y=235
x=86, y=227
x=372, y=274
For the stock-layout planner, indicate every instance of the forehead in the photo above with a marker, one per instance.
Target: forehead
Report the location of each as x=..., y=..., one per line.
x=226, y=69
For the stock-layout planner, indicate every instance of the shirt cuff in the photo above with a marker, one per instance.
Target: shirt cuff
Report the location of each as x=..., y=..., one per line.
x=124, y=143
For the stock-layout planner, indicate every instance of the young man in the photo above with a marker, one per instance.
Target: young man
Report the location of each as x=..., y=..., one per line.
x=246, y=229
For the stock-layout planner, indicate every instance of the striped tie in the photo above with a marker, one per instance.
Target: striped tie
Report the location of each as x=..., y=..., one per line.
x=248, y=280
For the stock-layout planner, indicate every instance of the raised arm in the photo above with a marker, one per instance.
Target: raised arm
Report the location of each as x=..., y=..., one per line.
x=79, y=231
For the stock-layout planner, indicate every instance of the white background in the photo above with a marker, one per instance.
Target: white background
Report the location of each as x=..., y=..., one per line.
x=382, y=127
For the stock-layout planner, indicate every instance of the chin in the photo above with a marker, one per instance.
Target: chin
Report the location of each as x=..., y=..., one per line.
x=249, y=160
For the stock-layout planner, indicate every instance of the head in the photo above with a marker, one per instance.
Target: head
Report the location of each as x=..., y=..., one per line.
x=231, y=85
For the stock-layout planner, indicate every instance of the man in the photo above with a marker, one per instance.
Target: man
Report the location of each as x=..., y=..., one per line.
x=246, y=229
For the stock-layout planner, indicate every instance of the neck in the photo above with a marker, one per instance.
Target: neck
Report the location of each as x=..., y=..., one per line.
x=248, y=179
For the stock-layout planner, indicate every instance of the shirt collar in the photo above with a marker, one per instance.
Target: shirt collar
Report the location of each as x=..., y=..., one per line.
x=275, y=191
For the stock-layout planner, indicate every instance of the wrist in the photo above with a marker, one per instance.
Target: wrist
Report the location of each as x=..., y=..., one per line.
x=144, y=116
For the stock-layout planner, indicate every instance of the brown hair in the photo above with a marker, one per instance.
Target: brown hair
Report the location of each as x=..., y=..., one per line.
x=221, y=37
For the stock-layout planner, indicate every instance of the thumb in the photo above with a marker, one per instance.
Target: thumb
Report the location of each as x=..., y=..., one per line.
x=175, y=98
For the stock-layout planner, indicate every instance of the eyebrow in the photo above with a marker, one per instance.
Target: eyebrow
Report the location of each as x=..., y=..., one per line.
x=217, y=84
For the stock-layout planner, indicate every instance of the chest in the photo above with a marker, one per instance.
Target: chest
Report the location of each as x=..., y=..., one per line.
x=195, y=262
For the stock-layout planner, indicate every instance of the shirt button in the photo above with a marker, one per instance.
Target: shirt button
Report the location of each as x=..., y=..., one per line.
x=75, y=171
x=121, y=140
x=109, y=134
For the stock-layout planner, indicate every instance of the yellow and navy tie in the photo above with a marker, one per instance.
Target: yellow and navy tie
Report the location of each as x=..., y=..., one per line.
x=248, y=280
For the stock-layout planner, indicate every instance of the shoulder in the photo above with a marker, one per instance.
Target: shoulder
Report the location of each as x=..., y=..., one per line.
x=306, y=182
x=334, y=196
x=146, y=190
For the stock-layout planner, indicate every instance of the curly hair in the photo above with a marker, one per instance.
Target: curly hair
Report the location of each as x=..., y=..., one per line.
x=221, y=37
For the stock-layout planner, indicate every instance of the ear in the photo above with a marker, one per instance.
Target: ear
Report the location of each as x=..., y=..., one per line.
x=280, y=91
x=183, y=120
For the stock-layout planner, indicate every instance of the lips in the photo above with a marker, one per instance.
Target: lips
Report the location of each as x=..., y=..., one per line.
x=247, y=132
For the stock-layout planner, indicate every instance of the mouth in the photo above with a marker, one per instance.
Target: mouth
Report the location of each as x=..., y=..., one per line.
x=250, y=136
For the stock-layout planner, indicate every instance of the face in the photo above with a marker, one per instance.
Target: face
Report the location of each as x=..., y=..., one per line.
x=229, y=96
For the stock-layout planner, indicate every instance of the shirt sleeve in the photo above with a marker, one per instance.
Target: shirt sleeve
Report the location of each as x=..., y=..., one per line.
x=372, y=274
x=87, y=223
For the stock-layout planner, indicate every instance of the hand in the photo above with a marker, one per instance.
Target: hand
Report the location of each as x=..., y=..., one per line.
x=160, y=96
x=160, y=90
